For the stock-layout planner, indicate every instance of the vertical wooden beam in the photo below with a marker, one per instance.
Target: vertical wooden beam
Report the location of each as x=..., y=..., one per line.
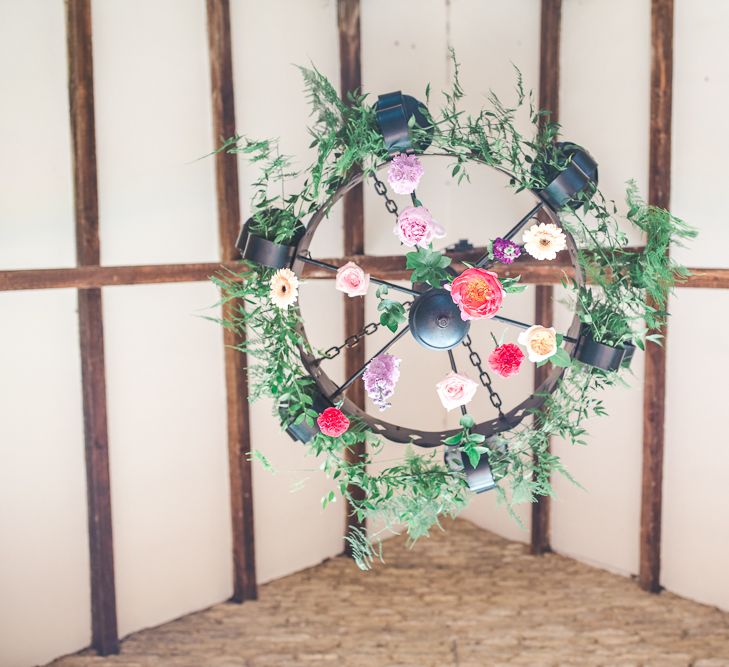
x=654, y=391
x=236, y=384
x=104, y=637
x=348, y=12
x=549, y=49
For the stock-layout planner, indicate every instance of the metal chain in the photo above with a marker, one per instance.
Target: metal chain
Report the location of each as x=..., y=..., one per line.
x=381, y=189
x=355, y=339
x=475, y=360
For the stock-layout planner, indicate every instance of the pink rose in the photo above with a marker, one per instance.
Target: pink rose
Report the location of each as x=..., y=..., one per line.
x=415, y=226
x=404, y=174
x=352, y=280
x=455, y=390
x=477, y=293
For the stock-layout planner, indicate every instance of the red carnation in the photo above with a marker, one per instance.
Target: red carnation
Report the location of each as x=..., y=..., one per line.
x=506, y=359
x=332, y=422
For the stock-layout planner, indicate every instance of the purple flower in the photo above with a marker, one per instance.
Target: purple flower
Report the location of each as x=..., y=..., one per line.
x=404, y=174
x=506, y=251
x=380, y=378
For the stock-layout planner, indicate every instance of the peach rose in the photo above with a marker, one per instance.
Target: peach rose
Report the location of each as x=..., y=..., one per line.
x=540, y=342
x=352, y=280
x=455, y=390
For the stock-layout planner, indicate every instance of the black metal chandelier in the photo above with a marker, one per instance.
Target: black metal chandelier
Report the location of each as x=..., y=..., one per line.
x=434, y=320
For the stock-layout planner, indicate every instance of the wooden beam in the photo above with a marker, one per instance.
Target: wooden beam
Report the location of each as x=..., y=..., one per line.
x=236, y=383
x=104, y=635
x=386, y=267
x=654, y=386
x=350, y=78
x=549, y=49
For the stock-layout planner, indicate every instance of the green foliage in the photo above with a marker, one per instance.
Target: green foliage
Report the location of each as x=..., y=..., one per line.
x=428, y=266
x=392, y=313
x=626, y=292
x=469, y=443
x=512, y=285
x=364, y=552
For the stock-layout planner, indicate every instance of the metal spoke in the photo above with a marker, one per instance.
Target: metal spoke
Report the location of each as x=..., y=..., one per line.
x=377, y=281
x=382, y=350
x=452, y=359
x=513, y=231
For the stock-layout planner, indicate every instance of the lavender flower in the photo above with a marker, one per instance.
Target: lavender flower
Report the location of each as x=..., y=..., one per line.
x=380, y=377
x=505, y=251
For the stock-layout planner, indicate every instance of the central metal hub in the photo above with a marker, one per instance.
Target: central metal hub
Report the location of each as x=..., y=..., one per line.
x=435, y=321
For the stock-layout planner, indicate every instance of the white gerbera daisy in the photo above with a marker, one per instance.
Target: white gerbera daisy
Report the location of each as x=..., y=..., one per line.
x=284, y=288
x=544, y=240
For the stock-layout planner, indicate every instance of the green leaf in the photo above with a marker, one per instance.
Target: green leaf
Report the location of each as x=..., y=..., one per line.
x=561, y=358
x=467, y=421
x=512, y=285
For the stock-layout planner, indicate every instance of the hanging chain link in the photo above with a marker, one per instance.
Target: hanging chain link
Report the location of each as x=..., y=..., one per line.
x=475, y=360
x=381, y=189
x=355, y=339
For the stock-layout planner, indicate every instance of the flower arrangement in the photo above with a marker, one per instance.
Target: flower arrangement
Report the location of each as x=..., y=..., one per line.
x=623, y=302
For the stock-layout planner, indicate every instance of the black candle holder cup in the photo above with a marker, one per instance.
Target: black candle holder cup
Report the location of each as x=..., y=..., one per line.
x=601, y=355
x=480, y=479
x=264, y=252
x=394, y=111
x=302, y=432
x=579, y=177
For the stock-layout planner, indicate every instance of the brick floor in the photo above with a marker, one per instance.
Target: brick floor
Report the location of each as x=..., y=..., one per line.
x=464, y=598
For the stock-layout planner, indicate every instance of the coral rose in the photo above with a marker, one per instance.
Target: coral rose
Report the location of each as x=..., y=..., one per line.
x=404, y=174
x=352, y=280
x=477, y=293
x=506, y=359
x=415, y=226
x=540, y=342
x=455, y=390
x=332, y=422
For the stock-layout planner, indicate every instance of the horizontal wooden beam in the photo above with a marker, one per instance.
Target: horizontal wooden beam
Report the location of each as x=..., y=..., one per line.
x=387, y=267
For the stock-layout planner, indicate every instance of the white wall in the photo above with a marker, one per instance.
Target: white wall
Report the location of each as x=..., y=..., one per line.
x=164, y=363
x=695, y=544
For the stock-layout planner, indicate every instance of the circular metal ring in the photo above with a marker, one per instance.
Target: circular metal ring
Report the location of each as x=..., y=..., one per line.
x=419, y=437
